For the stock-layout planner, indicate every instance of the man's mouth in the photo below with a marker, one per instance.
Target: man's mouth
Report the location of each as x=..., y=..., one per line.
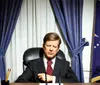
x=50, y=53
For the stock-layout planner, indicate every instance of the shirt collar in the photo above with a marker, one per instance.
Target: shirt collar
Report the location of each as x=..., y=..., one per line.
x=45, y=59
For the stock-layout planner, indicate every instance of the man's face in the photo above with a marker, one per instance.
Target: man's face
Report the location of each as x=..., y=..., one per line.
x=51, y=48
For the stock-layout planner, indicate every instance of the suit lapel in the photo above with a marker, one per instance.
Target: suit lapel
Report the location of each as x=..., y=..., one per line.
x=40, y=66
x=56, y=67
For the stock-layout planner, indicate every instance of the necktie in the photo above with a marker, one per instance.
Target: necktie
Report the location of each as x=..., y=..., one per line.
x=49, y=68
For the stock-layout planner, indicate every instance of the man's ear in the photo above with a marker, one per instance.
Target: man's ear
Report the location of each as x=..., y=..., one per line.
x=58, y=48
x=43, y=46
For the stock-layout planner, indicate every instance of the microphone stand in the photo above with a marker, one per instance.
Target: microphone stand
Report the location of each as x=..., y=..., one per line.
x=59, y=78
x=45, y=78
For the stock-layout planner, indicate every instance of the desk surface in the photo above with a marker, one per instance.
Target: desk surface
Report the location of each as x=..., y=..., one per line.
x=55, y=84
x=23, y=84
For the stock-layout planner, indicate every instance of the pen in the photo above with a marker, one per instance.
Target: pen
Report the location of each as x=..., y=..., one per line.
x=7, y=75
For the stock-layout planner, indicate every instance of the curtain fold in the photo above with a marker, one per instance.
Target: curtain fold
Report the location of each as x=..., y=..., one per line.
x=9, y=11
x=68, y=14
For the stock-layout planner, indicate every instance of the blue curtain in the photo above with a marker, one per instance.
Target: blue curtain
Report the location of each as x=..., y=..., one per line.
x=9, y=11
x=68, y=14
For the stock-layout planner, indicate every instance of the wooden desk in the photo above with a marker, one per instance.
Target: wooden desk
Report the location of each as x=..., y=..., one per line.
x=23, y=84
x=55, y=84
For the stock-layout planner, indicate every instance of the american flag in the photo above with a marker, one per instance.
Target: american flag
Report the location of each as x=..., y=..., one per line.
x=96, y=48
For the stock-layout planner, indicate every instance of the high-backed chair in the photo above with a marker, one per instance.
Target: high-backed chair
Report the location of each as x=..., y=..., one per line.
x=34, y=53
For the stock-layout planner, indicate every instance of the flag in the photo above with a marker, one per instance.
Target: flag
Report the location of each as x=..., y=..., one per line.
x=96, y=49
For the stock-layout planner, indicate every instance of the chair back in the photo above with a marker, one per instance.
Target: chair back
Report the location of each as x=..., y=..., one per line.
x=35, y=53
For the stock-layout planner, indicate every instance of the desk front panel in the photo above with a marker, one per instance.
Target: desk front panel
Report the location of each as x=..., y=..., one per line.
x=55, y=84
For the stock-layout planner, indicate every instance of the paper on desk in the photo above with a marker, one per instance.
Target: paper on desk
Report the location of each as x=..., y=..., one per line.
x=51, y=84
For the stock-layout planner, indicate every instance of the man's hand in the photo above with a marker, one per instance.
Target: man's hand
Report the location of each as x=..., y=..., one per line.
x=42, y=77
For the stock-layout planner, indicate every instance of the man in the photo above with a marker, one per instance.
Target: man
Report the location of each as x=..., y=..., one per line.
x=55, y=71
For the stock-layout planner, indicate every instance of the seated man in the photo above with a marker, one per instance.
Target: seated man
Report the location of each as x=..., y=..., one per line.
x=49, y=68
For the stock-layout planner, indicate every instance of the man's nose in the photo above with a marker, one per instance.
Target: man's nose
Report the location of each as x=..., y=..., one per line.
x=51, y=48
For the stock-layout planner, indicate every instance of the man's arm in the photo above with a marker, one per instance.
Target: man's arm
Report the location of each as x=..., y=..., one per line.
x=25, y=76
x=69, y=78
x=67, y=75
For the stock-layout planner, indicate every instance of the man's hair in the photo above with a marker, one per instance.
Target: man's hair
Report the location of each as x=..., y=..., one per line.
x=51, y=37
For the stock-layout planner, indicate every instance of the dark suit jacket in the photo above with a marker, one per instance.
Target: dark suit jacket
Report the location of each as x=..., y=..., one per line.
x=62, y=71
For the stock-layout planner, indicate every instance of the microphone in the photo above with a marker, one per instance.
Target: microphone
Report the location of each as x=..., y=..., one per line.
x=45, y=78
x=59, y=77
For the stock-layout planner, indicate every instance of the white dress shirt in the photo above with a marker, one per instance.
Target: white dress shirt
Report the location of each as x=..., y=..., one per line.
x=53, y=63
